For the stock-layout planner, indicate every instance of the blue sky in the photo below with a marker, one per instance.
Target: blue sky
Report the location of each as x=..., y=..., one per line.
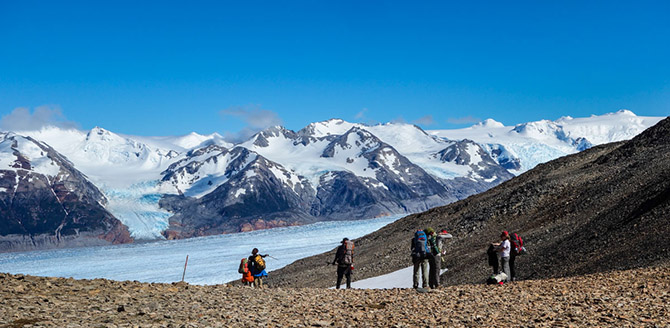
x=169, y=68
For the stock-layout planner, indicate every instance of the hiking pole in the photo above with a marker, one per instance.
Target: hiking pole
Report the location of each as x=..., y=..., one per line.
x=272, y=257
x=184, y=274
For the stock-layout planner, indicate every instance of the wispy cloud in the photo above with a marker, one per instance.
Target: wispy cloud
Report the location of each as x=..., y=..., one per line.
x=464, y=120
x=425, y=120
x=21, y=119
x=255, y=118
x=361, y=115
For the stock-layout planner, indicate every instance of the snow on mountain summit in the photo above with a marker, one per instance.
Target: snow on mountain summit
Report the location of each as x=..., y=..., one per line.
x=531, y=143
x=488, y=123
x=334, y=126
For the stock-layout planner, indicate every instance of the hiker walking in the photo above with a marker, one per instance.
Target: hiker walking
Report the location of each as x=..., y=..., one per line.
x=344, y=257
x=436, y=245
x=503, y=248
x=257, y=267
x=420, y=251
x=247, y=277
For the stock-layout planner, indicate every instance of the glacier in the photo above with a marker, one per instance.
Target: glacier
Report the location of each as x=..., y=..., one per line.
x=211, y=260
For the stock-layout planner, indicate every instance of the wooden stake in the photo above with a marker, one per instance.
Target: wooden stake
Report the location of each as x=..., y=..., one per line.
x=185, y=264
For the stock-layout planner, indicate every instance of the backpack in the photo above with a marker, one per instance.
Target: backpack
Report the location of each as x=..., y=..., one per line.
x=517, y=244
x=420, y=245
x=243, y=267
x=348, y=252
x=259, y=262
x=496, y=278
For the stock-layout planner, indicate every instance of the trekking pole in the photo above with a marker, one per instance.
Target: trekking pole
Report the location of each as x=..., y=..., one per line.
x=272, y=257
x=184, y=274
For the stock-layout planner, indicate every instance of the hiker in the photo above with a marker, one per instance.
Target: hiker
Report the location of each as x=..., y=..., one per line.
x=492, y=255
x=257, y=267
x=344, y=257
x=437, y=251
x=433, y=269
x=420, y=253
x=516, y=243
x=247, y=277
x=503, y=248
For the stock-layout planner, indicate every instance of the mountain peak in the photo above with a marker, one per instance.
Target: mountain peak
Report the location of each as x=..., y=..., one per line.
x=488, y=123
x=624, y=112
x=333, y=126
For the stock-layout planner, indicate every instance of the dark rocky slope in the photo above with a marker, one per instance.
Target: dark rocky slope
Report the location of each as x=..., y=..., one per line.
x=45, y=202
x=602, y=209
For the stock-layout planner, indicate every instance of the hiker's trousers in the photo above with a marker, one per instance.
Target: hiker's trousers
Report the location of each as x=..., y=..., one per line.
x=434, y=262
x=423, y=266
x=504, y=263
x=343, y=271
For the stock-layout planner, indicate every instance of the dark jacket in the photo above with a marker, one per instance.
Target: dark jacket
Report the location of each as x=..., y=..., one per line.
x=493, y=256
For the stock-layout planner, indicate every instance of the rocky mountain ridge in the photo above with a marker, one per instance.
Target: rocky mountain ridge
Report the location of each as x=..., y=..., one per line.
x=602, y=209
x=45, y=202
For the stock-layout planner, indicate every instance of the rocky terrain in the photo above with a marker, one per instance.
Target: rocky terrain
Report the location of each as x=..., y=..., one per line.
x=634, y=298
x=606, y=208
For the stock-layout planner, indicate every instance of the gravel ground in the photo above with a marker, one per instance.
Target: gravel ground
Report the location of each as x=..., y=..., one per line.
x=631, y=298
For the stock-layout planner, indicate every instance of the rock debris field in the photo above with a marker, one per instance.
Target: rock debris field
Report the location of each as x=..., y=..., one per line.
x=632, y=298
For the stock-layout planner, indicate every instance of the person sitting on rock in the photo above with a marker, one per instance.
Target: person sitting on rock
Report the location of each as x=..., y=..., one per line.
x=247, y=277
x=257, y=267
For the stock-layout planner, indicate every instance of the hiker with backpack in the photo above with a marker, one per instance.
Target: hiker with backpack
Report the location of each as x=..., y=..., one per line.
x=433, y=268
x=503, y=248
x=247, y=277
x=420, y=251
x=344, y=257
x=492, y=256
x=516, y=244
x=437, y=251
x=257, y=267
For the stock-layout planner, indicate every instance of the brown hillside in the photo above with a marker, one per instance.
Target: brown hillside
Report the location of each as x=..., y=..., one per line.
x=599, y=210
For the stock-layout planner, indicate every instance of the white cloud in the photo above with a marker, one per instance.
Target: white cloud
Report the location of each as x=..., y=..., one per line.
x=21, y=119
x=361, y=115
x=255, y=118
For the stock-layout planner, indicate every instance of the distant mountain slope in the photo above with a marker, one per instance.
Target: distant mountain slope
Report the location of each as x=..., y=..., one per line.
x=602, y=209
x=523, y=146
x=45, y=202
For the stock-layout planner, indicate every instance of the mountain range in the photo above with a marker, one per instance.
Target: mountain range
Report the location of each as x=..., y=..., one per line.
x=603, y=209
x=195, y=185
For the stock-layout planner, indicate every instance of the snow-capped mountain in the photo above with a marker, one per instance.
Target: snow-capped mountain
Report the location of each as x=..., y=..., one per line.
x=200, y=184
x=46, y=202
x=521, y=147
